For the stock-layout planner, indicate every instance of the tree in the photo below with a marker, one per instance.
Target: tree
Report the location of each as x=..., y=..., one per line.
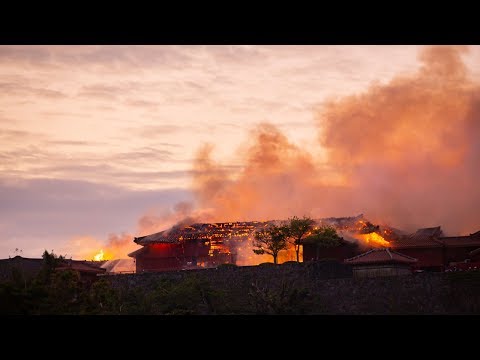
x=297, y=230
x=50, y=262
x=271, y=241
x=324, y=237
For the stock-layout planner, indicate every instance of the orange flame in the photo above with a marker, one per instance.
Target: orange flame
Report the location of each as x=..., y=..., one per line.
x=373, y=239
x=99, y=256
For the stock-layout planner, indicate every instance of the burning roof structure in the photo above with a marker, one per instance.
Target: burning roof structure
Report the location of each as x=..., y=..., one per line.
x=203, y=231
x=195, y=245
x=208, y=244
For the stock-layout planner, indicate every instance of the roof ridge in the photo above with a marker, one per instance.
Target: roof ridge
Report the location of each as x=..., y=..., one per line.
x=367, y=257
x=362, y=254
x=400, y=254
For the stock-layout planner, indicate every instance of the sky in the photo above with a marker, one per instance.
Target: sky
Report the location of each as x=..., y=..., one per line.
x=102, y=143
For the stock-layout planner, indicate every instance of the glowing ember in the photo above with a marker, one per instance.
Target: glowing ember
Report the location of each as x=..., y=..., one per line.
x=99, y=256
x=374, y=239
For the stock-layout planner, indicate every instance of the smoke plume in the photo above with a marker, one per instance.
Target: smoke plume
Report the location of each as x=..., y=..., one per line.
x=408, y=150
x=405, y=153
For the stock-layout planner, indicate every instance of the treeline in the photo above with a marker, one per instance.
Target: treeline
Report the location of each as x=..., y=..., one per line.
x=52, y=292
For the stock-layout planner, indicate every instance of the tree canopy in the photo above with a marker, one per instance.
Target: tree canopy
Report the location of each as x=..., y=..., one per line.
x=324, y=236
x=271, y=241
x=297, y=230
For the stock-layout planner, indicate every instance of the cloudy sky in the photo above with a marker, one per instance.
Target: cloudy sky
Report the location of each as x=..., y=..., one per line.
x=94, y=137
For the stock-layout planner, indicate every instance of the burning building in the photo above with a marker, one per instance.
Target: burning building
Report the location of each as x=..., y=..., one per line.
x=433, y=250
x=211, y=244
x=193, y=246
x=357, y=235
x=203, y=245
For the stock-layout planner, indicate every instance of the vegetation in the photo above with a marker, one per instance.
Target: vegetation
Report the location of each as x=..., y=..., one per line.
x=297, y=230
x=324, y=237
x=287, y=299
x=271, y=241
x=270, y=290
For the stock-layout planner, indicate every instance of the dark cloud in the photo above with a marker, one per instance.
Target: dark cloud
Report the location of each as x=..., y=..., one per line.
x=48, y=207
x=129, y=167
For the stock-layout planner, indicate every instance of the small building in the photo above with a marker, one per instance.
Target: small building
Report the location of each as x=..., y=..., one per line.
x=87, y=271
x=28, y=268
x=381, y=262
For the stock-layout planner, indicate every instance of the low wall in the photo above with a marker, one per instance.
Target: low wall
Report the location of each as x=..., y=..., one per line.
x=320, y=288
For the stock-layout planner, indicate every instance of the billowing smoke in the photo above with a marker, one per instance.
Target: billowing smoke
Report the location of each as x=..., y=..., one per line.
x=118, y=245
x=405, y=153
x=278, y=179
x=182, y=214
x=409, y=150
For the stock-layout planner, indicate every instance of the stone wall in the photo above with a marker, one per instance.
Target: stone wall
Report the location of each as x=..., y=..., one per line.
x=322, y=288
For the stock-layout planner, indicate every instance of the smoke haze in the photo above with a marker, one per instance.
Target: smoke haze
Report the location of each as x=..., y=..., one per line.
x=404, y=153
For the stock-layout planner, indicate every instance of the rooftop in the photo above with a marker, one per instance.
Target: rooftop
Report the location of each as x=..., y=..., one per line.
x=380, y=256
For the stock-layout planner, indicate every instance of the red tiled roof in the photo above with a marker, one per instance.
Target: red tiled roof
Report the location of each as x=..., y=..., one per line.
x=137, y=252
x=382, y=255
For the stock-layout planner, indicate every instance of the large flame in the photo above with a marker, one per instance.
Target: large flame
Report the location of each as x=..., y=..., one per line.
x=99, y=256
x=373, y=239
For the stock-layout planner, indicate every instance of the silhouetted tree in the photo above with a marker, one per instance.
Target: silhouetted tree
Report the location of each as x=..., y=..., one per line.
x=271, y=241
x=324, y=237
x=50, y=262
x=297, y=230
